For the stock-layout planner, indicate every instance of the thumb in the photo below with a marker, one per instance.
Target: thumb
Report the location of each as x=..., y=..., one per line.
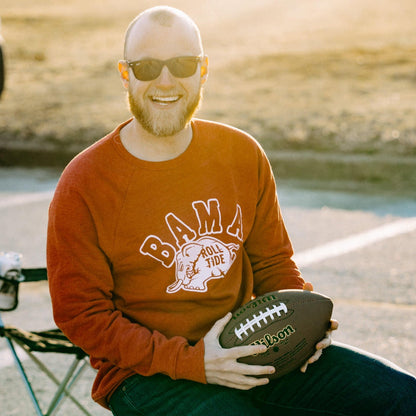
x=219, y=326
x=308, y=286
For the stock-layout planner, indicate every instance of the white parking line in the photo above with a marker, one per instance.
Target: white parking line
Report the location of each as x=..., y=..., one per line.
x=354, y=242
x=26, y=198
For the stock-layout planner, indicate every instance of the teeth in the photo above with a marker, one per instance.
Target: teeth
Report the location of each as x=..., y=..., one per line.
x=166, y=100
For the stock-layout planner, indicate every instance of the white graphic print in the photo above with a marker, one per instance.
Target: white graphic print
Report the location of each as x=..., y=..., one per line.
x=200, y=261
x=200, y=255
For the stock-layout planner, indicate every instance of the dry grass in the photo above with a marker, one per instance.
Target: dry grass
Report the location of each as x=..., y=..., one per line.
x=334, y=77
x=355, y=100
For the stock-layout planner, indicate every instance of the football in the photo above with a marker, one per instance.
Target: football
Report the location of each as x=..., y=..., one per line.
x=288, y=322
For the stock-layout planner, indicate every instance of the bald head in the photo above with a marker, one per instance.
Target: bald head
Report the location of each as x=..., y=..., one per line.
x=162, y=17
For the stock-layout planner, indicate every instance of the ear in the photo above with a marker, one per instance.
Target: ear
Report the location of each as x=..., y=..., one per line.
x=123, y=68
x=204, y=69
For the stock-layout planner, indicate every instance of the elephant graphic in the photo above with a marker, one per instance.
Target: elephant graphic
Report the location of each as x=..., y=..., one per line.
x=199, y=261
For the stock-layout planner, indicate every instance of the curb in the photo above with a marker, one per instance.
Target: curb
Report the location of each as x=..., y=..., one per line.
x=374, y=173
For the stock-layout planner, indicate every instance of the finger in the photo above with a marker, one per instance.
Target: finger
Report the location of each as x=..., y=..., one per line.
x=324, y=343
x=308, y=286
x=219, y=326
x=241, y=379
x=253, y=370
x=315, y=357
x=304, y=368
x=229, y=365
x=327, y=341
x=311, y=360
x=240, y=382
x=334, y=325
x=247, y=386
x=245, y=351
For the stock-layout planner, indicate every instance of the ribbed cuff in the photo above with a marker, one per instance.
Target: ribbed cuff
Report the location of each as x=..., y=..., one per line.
x=190, y=363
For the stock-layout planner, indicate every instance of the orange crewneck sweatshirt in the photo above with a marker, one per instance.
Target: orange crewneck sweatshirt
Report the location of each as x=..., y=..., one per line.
x=144, y=257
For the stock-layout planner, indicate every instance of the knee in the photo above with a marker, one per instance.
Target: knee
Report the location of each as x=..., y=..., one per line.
x=380, y=383
x=396, y=391
x=405, y=394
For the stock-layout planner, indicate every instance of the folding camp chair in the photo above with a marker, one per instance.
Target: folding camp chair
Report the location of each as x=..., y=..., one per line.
x=11, y=275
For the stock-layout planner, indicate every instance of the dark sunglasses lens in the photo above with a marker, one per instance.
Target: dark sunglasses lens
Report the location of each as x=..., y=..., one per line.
x=150, y=69
x=183, y=67
x=147, y=70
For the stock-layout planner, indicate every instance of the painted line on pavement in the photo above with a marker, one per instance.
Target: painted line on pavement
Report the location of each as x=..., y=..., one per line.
x=346, y=245
x=27, y=198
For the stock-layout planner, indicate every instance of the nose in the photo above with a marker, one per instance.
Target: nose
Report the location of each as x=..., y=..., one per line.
x=166, y=79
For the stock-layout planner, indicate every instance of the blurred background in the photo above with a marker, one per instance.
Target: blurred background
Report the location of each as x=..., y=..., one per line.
x=327, y=87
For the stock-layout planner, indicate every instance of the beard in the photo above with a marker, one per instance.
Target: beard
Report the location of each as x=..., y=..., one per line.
x=164, y=123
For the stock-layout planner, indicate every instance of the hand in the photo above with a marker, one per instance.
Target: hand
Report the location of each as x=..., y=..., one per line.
x=222, y=367
x=324, y=343
x=321, y=345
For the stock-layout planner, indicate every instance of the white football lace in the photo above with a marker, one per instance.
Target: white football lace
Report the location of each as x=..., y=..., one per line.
x=258, y=319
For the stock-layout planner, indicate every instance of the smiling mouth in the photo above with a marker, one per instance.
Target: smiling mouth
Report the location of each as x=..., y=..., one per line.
x=165, y=100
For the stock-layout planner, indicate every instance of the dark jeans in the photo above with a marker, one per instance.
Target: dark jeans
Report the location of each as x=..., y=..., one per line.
x=345, y=381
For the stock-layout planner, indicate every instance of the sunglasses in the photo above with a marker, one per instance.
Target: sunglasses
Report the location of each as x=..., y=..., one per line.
x=150, y=69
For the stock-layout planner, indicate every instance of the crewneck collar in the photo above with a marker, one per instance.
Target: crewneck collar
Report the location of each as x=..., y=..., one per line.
x=189, y=154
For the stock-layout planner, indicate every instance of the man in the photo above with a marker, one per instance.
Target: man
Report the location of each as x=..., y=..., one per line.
x=163, y=227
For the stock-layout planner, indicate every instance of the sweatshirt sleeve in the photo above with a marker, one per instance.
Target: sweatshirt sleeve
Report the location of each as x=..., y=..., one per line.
x=81, y=287
x=268, y=245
